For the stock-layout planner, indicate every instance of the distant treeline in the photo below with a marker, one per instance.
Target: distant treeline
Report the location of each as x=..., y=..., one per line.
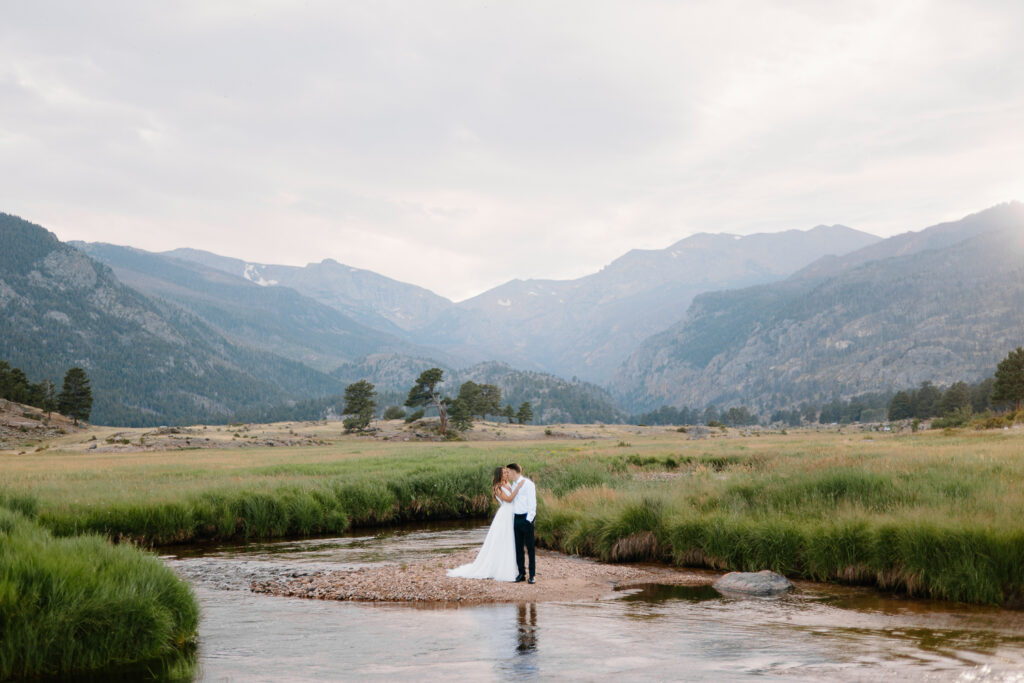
x=737, y=416
x=928, y=401
x=925, y=402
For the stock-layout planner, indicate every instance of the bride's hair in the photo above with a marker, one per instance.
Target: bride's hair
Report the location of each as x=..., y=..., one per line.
x=499, y=475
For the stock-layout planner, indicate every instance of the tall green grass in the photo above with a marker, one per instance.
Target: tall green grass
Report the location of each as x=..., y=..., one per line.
x=941, y=528
x=930, y=514
x=275, y=510
x=82, y=604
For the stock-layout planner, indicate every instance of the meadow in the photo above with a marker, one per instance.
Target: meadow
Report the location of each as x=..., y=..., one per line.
x=933, y=514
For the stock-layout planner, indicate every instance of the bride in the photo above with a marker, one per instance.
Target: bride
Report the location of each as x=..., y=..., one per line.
x=497, y=557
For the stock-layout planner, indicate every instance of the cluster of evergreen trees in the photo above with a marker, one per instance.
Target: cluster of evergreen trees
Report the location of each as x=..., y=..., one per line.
x=929, y=401
x=74, y=399
x=961, y=400
x=473, y=400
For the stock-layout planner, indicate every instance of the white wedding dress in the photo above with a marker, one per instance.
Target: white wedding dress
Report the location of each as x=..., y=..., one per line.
x=497, y=557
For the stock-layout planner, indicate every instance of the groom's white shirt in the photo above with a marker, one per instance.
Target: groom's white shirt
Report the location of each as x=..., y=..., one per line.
x=525, y=502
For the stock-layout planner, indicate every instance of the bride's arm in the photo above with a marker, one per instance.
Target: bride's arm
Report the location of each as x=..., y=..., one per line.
x=507, y=497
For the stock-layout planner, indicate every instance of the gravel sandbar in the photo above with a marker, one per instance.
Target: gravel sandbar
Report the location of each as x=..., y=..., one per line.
x=560, y=578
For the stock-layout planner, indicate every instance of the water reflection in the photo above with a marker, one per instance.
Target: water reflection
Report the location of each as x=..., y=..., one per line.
x=527, y=628
x=652, y=632
x=657, y=593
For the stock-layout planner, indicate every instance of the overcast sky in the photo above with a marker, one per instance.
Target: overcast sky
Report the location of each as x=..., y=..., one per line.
x=457, y=145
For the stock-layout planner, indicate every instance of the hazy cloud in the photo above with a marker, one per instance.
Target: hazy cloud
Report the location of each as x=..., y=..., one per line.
x=457, y=145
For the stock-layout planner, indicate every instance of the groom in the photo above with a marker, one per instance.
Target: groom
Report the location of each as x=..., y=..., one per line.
x=525, y=508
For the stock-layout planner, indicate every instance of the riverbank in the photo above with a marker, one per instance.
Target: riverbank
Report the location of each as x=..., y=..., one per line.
x=560, y=578
x=81, y=604
x=933, y=514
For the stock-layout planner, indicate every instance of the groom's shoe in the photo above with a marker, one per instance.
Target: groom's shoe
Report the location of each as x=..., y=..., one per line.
x=520, y=578
x=532, y=580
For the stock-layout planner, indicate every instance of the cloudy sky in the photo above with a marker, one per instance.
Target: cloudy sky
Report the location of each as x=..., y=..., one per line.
x=457, y=145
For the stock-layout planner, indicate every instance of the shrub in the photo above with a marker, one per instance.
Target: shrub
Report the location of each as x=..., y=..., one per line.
x=394, y=413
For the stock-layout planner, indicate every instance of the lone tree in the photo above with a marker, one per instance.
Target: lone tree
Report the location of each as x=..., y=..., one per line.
x=359, y=404
x=525, y=413
x=1009, y=384
x=75, y=399
x=425, y=393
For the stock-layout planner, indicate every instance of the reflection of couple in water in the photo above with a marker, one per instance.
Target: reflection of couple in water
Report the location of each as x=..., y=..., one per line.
x=501, y=557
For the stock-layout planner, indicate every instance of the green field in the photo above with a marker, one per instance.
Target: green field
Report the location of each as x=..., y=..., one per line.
x=934, y=514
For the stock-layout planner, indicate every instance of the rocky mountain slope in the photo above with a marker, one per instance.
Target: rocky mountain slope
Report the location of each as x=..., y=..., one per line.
x=588, y=326
x=584, y=327
x=367, y=297
x=150, y=362
x=944, y=304
x=276, y=319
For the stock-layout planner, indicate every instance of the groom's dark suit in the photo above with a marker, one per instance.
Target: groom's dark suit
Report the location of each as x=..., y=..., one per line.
x=525, y=509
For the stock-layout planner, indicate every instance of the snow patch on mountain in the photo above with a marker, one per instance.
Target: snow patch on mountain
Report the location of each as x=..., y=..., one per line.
x=252, y=274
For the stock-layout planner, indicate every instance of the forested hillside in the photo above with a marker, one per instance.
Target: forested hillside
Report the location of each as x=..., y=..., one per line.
x=941, y=314
x=276, y=319
x=150, y=362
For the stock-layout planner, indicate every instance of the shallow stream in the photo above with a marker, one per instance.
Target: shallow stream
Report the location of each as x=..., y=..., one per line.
x=653, y=633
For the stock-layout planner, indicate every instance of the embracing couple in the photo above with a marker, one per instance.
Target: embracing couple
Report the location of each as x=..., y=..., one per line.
x=501, y=556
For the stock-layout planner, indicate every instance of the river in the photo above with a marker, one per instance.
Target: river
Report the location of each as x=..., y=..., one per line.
x=654, y=633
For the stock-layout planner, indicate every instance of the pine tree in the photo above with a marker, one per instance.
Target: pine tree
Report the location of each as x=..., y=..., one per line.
x=75, y=399
x=359, y=404
x=509, y=413
x=927, y=400
x=425, y=392
x=901, y=407
x=1009, y=380
x=489, y=402
x=460, y=415
x=956, y=398
x=525, y=414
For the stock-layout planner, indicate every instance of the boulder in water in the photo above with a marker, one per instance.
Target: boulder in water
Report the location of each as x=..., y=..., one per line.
x=764, y=582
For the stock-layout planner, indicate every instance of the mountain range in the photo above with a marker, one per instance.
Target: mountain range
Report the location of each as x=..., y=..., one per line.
x=943, y=305
x=169, y=341
x=764, y=320
x=572, y=328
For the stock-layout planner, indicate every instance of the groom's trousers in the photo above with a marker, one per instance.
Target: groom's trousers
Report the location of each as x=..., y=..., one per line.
x=524, y=540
